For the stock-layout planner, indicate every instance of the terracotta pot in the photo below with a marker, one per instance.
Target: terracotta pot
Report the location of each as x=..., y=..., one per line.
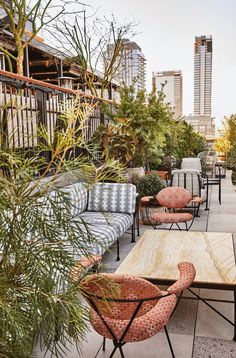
x=163, y=174
x=135, y=173
x=222, y=157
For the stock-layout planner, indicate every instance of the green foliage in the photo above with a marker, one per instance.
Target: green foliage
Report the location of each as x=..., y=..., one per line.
x=230, y=130
x=39, y=242
x=117, y=140
x=231, y=159
x=150, y=185
x=226, y=143
x=233, y=178
x=182, y=141
x=222, y=146
x=156, y=132
x=150, y=121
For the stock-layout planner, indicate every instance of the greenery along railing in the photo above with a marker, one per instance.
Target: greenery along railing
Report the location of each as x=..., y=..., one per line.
x=26, y=103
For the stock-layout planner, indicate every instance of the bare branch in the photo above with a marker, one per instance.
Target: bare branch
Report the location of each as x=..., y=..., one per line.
x=89, y=42
x=40, y=15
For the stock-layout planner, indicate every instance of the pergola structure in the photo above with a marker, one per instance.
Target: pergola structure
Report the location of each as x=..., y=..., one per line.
x=45, y=63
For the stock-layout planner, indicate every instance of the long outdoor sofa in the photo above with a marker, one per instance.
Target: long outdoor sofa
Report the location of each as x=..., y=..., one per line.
x=104, y=211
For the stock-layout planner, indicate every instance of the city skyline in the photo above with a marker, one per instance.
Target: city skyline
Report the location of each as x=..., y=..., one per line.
x=166, y=33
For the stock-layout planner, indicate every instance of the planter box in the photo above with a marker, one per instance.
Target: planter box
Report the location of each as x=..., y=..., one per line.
x=233, y=178
x=163, y=174
x=135, y=173
x=146, y=211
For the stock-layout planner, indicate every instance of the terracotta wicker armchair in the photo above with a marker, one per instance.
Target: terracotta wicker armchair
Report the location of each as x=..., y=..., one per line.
x=137, y=311
x=174, y=199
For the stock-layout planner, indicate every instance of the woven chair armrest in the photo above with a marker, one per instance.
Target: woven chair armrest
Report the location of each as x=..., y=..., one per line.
x=187, y=274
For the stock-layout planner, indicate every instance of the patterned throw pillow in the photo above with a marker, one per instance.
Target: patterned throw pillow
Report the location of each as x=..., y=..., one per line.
x=78, y=196
x=113, y=197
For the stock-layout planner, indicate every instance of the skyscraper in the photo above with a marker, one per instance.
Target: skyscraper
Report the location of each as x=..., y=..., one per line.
x=132, y=64
x=202, y=75
x=171, y=84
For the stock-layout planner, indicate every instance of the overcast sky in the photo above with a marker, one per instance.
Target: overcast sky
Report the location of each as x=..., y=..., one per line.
x=166, y=31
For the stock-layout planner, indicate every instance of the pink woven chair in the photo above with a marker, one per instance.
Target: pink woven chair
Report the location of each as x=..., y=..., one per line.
x=138, y=309
x=174, y=199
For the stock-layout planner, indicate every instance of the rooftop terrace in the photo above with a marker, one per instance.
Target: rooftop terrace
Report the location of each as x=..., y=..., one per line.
x=195, y=330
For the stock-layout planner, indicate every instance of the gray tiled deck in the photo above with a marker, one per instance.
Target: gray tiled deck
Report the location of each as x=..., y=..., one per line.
x=195, y=330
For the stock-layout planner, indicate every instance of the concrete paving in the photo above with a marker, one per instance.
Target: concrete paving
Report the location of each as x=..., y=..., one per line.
x=195, y=330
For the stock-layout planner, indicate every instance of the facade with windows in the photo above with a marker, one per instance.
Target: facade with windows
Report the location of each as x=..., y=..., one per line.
x=202, y=124
x=171, y=83
x=130, y=65
x=202, y=75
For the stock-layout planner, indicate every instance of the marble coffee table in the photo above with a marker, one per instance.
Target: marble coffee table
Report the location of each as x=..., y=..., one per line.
x=156, y=255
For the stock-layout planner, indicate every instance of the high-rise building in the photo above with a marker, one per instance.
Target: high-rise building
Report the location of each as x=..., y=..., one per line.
x=202, y=75
x=170, y=82
x=202, y=124
x=131, y=64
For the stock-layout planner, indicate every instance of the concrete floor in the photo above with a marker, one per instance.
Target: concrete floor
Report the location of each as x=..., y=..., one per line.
x=195, y=330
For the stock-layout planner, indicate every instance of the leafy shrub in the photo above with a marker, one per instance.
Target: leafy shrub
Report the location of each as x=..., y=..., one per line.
x=150, y=185
x=231, y=160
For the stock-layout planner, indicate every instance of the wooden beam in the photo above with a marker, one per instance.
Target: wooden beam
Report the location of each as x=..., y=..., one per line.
x=50, y=85
x=43, y=73
x=41, y=62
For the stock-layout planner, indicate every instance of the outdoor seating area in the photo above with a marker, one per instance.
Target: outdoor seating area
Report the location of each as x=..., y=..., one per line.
x=195, y=330
x=117, y=208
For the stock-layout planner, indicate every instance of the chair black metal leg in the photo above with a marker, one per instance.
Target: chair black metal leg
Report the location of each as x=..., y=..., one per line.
x=178, y=226
x=190, y=225
x=169, y=342
x=220, y=191
x=197, y=212
x=207, y=198
x=136, y=216
x=171, y=226
x=133, y=232
x=137, y=223
x=113, y=352
x=121, y=352
x=104, y=344
x=118, y=250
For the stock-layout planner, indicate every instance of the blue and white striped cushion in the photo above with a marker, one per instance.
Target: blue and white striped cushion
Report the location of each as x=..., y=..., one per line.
x=112, y=197
x=121, y=222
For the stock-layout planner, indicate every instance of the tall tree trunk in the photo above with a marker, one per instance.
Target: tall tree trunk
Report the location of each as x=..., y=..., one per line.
x=20, y=59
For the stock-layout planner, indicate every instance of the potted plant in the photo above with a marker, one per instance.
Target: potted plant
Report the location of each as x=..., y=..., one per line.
x=149, y=186
x=231, y=163
x=117, y=141
x=222, y=146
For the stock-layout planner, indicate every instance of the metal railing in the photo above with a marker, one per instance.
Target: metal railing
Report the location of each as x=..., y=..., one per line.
x=26, y=103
